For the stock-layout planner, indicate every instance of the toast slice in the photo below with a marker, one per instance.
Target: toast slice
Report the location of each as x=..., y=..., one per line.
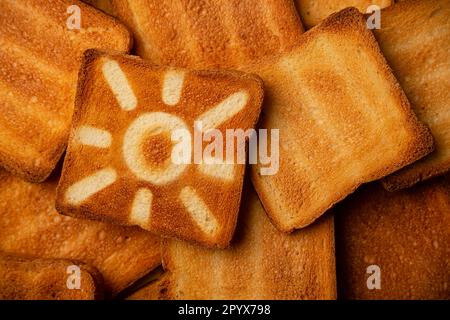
x=343, y=121
x=122, y=162
x=47, y=279
x=313, y=12
x=30, y=225
x=209, y=33
x=39, y=61
x=404, y=233
x=415, y=41
x=261, y=263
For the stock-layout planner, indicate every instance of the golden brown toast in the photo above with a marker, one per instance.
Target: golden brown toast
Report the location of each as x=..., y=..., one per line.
x=415, y=39
x=39, y=62
x=261, y=263
x=343, y=120
x=210, y=33
x=30, y=225
x=313, y=12
x=405, y=233
x=47, y=279
x=119, y=165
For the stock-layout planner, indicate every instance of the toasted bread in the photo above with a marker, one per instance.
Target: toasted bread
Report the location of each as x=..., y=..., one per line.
x=47, y=279
x=39, y=61
x=30, y=225
x=261, y=263
x=343, y=121
x=210, y=33
x=405, y=234
x=415, y=41
x=120, y=164
x=313, y=12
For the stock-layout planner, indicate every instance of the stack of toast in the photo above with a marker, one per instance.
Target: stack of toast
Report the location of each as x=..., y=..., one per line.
x=220, y=139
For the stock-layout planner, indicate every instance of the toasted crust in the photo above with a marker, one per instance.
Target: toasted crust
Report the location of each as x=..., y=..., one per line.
x=313, y=12
x=29, y=225
x=46, y=279
x=343, y=121
x=205, y=33
x=261, y=263
x=415, y=41
x=39, y=62
x=187, y=203
x=405, y=233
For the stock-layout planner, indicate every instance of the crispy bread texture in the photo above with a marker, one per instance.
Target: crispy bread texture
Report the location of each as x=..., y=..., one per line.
x=30, y=226
x=47, y=279
x=210, y=33
x=405, y=233
x=39, y=62
x=261, y=263
x=415, y=39
x=313, y=12
x=343, y=120
x=120, y=162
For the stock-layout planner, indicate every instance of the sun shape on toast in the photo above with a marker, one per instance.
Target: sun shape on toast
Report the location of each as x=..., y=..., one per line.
x=145, y=148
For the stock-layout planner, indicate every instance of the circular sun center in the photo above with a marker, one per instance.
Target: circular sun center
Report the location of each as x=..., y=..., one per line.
x=157, y=149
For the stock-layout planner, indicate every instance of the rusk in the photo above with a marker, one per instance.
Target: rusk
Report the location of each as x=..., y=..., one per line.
x=313, y=12
x=210, y=33
x=261, y=263
x=120, y=163
x=415, y=39
x=39, y=62
x=30, y=225
x=47, y=279
x=343, y=120
x=405, y=234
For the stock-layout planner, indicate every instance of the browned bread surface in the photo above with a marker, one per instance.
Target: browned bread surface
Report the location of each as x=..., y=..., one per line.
x=261, y=263
x=30, y=225
x=39, y=61
x=405, y=233
x=119, y=165
x=415, y=39
x=46, y=279
x=313, y=12
x=343, y=121
x=210, y=33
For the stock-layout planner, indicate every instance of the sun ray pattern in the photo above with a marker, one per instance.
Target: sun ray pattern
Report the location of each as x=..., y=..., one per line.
x=86, y=187
x=172, y=87
x=119, y=85
x=91, y=136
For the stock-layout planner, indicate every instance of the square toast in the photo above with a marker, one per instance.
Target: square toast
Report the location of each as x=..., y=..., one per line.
x=405, y=233
x=120, y=164
x=415, y=39
x=343, y=120
x=261, y=263
x=313, y=12
x=39, y=61
x=209, y=33
x=46, y=279
x=30, y=225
